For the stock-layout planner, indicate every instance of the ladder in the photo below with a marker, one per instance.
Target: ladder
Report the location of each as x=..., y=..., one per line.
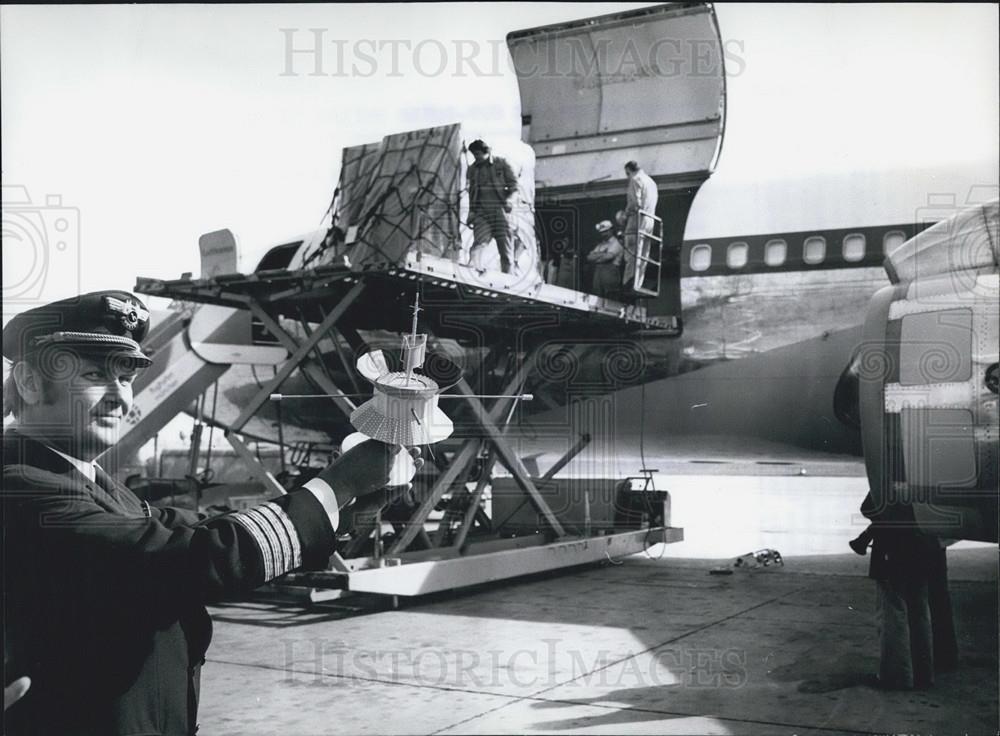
x=649, y=254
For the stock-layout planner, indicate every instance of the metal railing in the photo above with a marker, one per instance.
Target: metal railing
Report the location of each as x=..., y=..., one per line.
x=649, y=253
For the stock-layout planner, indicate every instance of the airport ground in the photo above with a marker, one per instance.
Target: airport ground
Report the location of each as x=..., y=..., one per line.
x=653, y=643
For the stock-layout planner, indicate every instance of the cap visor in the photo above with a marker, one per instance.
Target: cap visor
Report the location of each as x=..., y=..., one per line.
x=136, y=357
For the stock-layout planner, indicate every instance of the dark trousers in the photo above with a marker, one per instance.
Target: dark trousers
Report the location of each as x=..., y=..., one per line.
x=942, y=621
x=490, y=221
x=194, y=690
x=607, y=280
x=906, y=655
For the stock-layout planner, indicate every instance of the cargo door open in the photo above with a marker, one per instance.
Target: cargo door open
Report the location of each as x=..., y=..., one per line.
x=645, y=85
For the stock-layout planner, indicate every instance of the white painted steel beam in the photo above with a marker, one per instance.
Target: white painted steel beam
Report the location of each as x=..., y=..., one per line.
x=420, y=578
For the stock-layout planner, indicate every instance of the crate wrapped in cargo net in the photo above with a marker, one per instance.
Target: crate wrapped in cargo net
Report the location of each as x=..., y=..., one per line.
x=408, y=194
x=394, y=197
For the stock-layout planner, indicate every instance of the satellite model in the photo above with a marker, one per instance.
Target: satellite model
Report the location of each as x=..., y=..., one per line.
x=404, y=409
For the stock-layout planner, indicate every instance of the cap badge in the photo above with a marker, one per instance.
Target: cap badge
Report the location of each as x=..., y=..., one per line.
x=130, y=315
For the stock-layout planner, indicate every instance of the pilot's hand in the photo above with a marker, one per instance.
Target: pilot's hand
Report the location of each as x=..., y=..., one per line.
x=15, y=691
x=362, y=470
x=365, y=508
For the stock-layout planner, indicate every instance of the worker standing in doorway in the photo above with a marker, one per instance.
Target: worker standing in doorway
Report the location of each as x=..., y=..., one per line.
x=640, y=195
x=109, y=622
x=607, y=259
x=492, y=183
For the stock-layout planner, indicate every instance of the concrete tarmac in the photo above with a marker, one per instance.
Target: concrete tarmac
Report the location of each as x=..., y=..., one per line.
x=639, y=645
x=652, y=643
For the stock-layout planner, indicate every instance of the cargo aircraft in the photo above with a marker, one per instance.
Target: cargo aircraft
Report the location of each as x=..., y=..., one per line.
x=768, y=284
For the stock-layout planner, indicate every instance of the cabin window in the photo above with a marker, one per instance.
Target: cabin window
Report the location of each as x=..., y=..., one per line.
x=701, y=257
x=892, y=240
x=814, y=250
x=854, y=247
x=736, y=256
x=775, y=252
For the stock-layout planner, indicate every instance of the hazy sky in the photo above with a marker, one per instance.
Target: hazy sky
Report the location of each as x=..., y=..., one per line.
x=154, y=124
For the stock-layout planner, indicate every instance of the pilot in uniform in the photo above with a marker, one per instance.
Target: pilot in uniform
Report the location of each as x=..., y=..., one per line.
x=105, y=595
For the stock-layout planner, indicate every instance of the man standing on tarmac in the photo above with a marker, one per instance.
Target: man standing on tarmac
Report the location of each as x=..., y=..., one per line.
x=105, y=595
x=916, y=628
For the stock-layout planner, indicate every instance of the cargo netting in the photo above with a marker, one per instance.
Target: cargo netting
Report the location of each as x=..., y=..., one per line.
x=398, y=195
x=407, y=193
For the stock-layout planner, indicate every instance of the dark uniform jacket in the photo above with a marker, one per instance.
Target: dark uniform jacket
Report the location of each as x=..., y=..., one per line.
x=105, y=597
x=491, y=183
x=900, y=551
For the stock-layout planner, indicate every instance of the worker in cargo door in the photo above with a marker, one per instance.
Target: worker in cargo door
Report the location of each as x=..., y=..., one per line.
x=606, y=258
x=109, y=622
x=492, y=184
x=641, y=196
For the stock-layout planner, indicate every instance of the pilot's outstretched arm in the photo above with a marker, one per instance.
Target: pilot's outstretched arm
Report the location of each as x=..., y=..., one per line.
x=171, y=562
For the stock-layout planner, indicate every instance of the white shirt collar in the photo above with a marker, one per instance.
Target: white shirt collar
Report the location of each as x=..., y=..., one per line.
x=88, y=469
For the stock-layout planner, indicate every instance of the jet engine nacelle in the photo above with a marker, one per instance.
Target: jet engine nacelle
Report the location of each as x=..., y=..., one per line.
x=927, y=371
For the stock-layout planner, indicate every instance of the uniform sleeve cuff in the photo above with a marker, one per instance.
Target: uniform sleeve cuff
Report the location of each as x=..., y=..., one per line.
x=275, y=536
x=325, y=495
x=309, y=513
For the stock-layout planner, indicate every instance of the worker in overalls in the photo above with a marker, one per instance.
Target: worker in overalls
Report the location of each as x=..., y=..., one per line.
x=606, y=258
x=641, y=196
x=492, y=185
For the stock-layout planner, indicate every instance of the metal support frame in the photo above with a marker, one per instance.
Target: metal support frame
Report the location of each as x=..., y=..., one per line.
x=294, y=361
x=454, y=555
x=453, y=511
x=474, y=498
x=401, y=571
x=493, y=360
x=459, y=466
x=299, y=352
x=259, y=471
x=510, y=458
x=556, y=467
